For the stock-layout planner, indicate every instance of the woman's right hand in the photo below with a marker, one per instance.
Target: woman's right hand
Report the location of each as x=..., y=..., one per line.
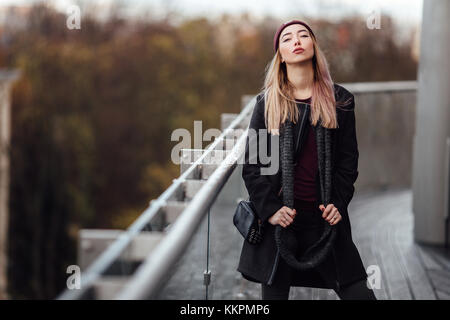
x=284, y=217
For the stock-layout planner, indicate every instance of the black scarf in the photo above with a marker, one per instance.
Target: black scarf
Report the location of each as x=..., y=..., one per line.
x=285, y=237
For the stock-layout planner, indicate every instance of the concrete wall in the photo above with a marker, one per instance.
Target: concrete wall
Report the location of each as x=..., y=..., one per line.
x=385, y=125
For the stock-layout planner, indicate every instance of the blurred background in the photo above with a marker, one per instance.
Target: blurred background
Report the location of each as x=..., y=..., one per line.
x=92, y=109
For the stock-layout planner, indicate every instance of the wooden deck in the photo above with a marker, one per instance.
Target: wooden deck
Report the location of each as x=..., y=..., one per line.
x=382, y=225
x=383, y=232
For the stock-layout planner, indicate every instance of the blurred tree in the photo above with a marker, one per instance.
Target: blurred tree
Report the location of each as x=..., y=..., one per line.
x=94, y=111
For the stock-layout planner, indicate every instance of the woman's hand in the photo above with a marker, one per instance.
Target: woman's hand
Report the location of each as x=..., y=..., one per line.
x=330, y=213
x=284, y=217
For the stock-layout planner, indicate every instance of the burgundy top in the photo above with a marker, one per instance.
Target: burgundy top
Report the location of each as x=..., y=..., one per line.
x=306, y=169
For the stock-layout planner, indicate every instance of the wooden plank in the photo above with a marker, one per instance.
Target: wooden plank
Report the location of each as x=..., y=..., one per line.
x=440, y=256
x=416, y=273
x=443, y=295
x=381, y=229
x=301, y=293
x=392, y=271
x=440, y=279
x=427, y=258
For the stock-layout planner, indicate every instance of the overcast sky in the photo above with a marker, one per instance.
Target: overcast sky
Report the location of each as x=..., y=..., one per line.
x=404, y=11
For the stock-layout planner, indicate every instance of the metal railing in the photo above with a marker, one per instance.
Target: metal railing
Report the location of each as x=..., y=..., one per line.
x=145, y=281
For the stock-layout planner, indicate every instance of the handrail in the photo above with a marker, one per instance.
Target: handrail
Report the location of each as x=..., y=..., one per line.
x=381, y=86
x=190, y=218
x=152, y=271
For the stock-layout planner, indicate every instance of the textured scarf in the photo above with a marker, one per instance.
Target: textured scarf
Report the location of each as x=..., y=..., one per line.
x=285, y=237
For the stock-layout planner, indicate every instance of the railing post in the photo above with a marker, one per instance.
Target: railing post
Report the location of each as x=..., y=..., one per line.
x=207, y=273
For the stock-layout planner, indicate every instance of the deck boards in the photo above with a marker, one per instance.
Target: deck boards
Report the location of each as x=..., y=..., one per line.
x=382, y=229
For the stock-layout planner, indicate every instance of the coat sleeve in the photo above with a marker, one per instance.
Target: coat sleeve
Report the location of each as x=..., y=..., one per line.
x=260, y=189
x=346, y=165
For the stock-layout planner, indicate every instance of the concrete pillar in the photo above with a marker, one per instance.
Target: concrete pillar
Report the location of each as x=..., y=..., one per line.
x=430, y=183
x=6, y=79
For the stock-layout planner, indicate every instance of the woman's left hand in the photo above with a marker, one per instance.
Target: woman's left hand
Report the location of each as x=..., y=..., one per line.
x=330, y=213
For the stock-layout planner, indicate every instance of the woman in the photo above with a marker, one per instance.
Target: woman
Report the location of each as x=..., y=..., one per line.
x=298, y=87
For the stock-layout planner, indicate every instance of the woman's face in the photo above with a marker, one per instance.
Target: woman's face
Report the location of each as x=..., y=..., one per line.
x=292, y=38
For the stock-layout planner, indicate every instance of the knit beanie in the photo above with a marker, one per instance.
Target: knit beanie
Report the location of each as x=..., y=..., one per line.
x=284, y=25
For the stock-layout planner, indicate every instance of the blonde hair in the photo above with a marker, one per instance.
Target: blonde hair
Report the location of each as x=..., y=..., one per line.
x=279, y=93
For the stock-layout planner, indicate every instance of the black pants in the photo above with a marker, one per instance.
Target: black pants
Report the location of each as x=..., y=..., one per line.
x=355, y=291
x=308, y=225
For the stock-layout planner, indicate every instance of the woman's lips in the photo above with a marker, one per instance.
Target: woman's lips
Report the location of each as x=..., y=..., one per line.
x=298, y=50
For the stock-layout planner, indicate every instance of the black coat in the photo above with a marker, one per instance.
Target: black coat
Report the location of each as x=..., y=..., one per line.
x=258, y=263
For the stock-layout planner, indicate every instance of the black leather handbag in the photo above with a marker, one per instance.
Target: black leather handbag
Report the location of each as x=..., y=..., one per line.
x=247, y=222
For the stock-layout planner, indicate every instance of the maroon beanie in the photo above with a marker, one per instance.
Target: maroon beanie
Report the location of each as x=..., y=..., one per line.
x=284, y=25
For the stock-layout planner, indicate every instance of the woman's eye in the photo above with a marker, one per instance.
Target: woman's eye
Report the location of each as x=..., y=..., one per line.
x=286, y=40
